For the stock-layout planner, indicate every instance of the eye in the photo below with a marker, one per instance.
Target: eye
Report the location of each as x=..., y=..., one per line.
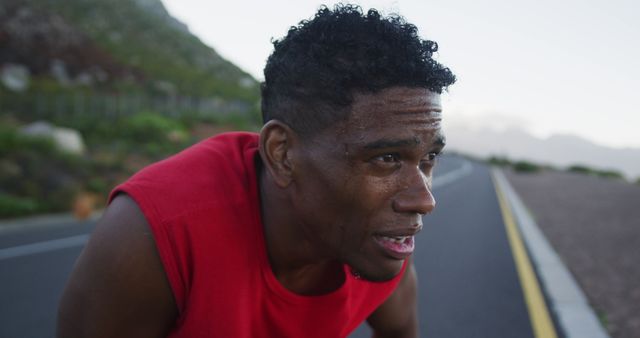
x=429, y=161
x=386, y=160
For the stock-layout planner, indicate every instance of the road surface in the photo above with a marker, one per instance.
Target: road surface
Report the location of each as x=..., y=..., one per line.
x=469, y=286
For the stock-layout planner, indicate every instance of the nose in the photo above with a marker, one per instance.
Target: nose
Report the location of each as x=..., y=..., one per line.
x=416, y=197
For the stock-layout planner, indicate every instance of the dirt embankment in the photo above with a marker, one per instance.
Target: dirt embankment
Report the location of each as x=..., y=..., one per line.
x=594, y=225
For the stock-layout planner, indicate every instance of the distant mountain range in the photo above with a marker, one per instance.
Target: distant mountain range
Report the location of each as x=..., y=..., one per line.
x=557, y=150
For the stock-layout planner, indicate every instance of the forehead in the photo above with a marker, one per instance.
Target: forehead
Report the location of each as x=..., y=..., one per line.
x=398, y=99
x=398, y=112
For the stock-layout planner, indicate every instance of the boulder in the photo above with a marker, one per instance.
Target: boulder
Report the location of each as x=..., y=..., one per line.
x=65, y=139
x=15, y=77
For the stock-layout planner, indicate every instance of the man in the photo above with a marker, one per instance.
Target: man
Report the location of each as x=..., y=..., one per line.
x=303, y=231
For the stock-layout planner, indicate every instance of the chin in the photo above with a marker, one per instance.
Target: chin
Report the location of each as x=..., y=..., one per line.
x=379, y=273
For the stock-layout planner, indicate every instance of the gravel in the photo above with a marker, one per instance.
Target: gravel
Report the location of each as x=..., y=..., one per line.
x=594, y=225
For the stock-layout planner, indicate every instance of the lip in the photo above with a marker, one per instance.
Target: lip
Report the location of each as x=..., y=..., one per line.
x=395, y=249
x=409, y=231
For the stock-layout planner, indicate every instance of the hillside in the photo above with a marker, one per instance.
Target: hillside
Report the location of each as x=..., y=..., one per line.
x=115, y=46
x=92, y=91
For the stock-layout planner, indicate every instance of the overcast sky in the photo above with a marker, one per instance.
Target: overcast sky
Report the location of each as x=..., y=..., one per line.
x=546, y=66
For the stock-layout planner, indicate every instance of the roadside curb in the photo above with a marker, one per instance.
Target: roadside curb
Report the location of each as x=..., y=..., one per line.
x=576, y=318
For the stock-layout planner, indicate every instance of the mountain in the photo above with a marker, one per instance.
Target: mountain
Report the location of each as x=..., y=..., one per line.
x=114, y=46
x=557, y=150
x=156, y=8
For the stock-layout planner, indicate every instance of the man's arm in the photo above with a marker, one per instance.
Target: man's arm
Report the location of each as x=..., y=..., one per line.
x=398, y=315
x=118, y=287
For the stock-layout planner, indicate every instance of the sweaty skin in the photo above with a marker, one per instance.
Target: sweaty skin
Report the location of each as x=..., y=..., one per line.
x=365, y=178
x=326, y=200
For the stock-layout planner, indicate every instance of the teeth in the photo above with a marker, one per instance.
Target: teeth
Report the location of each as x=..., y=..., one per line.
x=396, y=239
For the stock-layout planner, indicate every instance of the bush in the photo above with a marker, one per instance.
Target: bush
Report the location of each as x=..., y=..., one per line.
x=609, y=174
x=580, y=169
x=499, y=161
x=149, y=127
x=12, y=206
x=97, y=185
x=12, y=142
x=526, y=167
x=35, y=176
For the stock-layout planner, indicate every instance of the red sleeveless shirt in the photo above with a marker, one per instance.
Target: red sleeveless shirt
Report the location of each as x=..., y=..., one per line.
x=203, y=209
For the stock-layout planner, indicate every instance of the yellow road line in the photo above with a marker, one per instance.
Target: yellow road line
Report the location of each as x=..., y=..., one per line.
x=538, y=312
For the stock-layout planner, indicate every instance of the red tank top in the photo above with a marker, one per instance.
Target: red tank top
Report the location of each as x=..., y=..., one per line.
x=203, y=209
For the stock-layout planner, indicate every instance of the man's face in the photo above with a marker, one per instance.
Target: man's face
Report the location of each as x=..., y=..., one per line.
x=363, y=184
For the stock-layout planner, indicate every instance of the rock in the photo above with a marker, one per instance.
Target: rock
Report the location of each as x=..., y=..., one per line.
x=99, y=74
x=247, y=82
x=15, y=77
x=84, y=79
x=9, y=168
x=65, y=139
x=165, y=87
x=58, y=70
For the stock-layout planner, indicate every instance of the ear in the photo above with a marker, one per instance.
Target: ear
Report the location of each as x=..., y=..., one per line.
x=276, y=141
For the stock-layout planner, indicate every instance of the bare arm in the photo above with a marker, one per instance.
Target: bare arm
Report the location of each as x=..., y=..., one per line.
x=398, y=315
x=118, y=287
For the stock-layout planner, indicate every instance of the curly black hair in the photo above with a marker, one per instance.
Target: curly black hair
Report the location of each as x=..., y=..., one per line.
x=313, y=72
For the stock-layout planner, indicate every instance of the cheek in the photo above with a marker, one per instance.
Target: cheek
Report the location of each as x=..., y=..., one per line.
x=324, y=206
x=376, y=193
x=370, y=202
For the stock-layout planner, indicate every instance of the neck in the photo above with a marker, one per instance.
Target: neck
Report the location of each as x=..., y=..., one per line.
x=295, y=262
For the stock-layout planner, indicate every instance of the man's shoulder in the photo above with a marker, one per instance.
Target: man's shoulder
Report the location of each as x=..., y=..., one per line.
x=221, y=152
x=215, y=170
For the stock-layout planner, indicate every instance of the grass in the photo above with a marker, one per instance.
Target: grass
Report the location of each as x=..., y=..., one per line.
x=35, y=177
x=581, y=169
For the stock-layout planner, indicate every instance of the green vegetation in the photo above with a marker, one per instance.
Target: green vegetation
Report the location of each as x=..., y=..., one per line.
x=609, y=174
x=11, y=141
x=12, y=206
x=603, y=318
x=499, y=161
x=518, y=166
x=526, y=167
x=31, y=169
x=35, y=177
x=530, y=167
x=161, y=90
x=152, y=49
x=136, y=58
x=581, y=169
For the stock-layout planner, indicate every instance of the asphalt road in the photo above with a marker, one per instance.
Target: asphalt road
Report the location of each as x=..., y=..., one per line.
x=468, y=281
x=469, y=286
x=34, y=266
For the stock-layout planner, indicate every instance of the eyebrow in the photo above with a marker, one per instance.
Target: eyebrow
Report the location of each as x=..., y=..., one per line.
x=395, y=143
x=391, y=143
x=420, y=111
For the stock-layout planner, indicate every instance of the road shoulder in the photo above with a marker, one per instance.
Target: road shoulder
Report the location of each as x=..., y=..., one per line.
x=568, y=302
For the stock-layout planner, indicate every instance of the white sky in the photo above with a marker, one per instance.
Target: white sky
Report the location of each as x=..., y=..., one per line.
x=546, y=66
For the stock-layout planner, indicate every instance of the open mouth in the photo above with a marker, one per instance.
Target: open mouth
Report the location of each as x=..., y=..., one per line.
x=399, y=247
